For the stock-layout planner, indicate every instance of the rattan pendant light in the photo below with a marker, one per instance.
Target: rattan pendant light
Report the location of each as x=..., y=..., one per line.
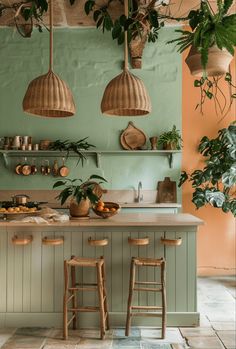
x=48, y=95
x=126, y=95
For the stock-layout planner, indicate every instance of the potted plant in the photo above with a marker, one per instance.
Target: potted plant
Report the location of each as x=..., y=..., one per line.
x=81, y=194
x=171, y=140
x=215, y=184
x=212, y=39
x=76, y=147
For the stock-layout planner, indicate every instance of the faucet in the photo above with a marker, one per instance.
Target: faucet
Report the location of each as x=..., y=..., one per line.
x=140, y=196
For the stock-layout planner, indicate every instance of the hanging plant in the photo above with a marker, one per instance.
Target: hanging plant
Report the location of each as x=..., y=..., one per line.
x=215, y=184
x=141, y=18
x=212, y=40
x=29, y=10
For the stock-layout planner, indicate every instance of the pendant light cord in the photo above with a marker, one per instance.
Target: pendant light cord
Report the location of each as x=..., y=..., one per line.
x=126, y=37
x=51, y=35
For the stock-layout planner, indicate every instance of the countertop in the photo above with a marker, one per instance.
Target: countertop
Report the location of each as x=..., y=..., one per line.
x=122, y=220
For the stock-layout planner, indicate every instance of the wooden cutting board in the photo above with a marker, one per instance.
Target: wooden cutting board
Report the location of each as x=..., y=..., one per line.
x=166, y=191
x=132, y=138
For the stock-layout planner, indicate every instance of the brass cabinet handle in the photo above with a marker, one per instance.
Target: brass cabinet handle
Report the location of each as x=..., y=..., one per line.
x=22, y=240
x=94, y=242
x=171, y=242
x=52, y=241
x=138, y=241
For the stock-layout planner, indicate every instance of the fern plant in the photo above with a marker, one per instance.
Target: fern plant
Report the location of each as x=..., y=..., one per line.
x=209, y=28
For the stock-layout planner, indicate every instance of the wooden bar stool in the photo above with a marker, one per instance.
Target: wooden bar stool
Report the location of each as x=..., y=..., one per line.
x=71, y=293
x=140, y=286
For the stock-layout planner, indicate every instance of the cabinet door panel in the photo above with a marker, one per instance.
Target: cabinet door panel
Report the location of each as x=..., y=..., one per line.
x=3, y=270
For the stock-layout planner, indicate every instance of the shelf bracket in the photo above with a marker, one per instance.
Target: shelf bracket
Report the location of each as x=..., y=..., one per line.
x=98, y=160
x=170, y=160
x=5, y=159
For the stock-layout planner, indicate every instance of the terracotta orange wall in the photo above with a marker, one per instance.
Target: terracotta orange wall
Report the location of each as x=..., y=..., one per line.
x=216, y=239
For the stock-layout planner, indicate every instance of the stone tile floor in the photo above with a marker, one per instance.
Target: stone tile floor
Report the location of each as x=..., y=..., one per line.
x=216, y=302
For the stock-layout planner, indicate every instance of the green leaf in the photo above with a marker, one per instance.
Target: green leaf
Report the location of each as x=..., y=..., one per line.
x=227, y=5
x=208, y=94
x=117, y=29
x=153, y=18
x=59, y=184
x=122, y=20
x=228, y=77
x=183, y=178
x=97, y=177
x=121, y=38
x=88, y=6
x=96, y=14
x=99, y=22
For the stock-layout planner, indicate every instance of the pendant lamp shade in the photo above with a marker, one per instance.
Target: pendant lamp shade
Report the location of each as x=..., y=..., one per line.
x=126, y=95
x=48, y=95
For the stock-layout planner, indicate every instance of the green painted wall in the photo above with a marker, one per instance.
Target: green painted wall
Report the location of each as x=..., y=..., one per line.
x=87, y=60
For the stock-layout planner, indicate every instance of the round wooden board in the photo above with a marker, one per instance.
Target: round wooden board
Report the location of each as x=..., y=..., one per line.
x=132, y=138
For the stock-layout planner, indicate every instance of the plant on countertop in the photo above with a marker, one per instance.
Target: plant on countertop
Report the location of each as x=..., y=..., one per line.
x=211, y=29
x=171, y=139
x=79, y=191
x=76, y=147
x=215, y=184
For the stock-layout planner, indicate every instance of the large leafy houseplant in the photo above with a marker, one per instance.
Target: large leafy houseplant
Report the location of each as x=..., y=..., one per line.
x=215, y=184
x=81, y=193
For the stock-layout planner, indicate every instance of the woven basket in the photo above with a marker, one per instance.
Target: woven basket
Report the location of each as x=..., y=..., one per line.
x=107, y=214
x=49, y=96
x=126, y=95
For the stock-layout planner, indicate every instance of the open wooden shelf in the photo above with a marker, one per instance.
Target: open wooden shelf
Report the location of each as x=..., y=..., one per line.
x=6, y=154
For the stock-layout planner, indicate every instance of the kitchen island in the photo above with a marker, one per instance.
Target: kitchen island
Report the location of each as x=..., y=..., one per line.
x=31, y=276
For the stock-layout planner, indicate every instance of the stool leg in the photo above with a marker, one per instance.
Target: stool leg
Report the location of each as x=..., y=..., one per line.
x=101, y=300
x=131, y=288
x=74, y=300
x=65, y=314
x=163, y=293
x=105, y=295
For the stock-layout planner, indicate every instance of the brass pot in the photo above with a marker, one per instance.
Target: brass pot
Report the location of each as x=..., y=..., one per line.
x=81, y=209
x=20, y=199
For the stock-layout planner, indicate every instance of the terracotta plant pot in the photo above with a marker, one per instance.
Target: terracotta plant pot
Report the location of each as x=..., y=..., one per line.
x=81, y=209
x=218, y=62
x=169, y=146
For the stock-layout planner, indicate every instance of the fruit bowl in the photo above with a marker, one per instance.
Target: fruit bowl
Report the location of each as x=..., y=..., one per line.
x=106, y=209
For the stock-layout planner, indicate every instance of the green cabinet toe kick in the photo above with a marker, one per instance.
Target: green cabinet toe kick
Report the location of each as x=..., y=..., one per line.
x=31, y=276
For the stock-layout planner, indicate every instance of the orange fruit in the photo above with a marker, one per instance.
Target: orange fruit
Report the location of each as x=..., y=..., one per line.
x=105, y=209
x=100, y=203
x=113, y=209
x=99, y=208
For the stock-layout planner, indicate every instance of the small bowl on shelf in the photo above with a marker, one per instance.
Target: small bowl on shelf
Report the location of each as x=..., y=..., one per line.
x=106, y=209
